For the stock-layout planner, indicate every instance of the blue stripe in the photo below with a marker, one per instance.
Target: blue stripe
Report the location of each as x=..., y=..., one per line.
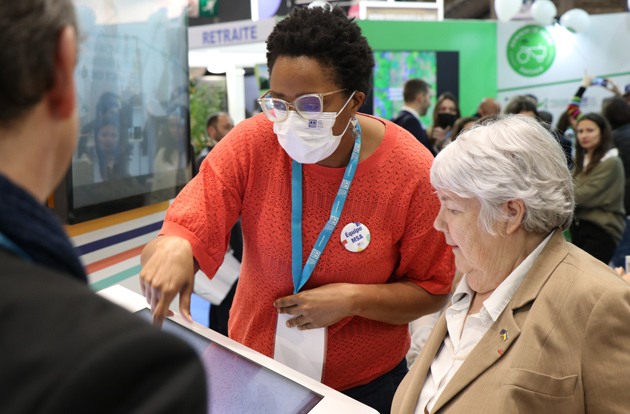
x=118, y=238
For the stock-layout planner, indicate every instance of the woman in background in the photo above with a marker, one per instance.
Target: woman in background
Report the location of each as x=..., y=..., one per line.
x=599, y=189
x=444, y=116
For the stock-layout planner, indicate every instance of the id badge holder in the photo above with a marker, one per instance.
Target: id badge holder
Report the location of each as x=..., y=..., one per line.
x=304, y=351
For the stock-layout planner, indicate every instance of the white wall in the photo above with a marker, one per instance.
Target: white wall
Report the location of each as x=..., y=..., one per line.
x=603, y=50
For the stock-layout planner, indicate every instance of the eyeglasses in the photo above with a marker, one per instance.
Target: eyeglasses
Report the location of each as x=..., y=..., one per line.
x=309, y=106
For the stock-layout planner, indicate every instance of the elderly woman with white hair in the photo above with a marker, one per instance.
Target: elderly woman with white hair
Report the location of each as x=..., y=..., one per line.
x=535, y=325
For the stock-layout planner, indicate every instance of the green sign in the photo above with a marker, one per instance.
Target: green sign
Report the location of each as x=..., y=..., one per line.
x=208, y=8
x=531, y=50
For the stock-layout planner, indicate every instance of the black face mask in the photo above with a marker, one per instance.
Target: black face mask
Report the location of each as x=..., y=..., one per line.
x=446, y=120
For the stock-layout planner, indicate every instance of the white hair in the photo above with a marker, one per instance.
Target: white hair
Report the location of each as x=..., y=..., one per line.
x=506, y=158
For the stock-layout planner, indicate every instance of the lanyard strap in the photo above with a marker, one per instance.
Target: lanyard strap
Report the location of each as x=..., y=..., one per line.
x=300, y=276
x=7, y=244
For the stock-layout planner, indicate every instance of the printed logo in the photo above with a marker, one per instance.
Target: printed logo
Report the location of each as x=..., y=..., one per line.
x=355, y=237
x=531, y=50
x=312, y=123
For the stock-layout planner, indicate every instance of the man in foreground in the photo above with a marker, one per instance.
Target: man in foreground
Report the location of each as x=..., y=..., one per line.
x=63, y=349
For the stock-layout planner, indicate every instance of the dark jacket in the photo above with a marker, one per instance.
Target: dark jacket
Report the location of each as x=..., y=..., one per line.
x=621, y=137
x=64, y=349
x=408, y=121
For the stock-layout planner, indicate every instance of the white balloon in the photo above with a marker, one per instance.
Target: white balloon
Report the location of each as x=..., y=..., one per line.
x=544, y=11
x=506, y=9
x=576, y=20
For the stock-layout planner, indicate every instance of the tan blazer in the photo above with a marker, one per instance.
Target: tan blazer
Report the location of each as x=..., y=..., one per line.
x=567, y=351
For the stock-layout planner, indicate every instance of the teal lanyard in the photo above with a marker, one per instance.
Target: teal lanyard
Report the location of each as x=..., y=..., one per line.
x=301, y=276
x=7, y=244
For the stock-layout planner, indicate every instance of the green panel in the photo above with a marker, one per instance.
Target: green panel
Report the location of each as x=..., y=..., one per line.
x=208, y=8
x=475, y=41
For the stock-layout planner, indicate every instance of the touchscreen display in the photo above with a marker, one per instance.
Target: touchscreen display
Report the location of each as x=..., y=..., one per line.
x=238, y=385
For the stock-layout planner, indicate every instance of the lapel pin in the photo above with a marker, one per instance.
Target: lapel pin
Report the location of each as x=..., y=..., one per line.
x=504, y=334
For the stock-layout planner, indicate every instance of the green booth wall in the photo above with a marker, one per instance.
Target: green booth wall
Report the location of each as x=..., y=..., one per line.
x=476, y=42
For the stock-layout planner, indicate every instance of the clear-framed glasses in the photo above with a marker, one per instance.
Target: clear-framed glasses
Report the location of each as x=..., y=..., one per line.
x=309, y=106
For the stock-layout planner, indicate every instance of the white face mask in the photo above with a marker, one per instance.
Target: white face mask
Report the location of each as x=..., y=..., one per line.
x=309, y=141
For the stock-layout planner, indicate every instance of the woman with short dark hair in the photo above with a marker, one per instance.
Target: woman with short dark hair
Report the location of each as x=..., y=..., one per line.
x=292, y=173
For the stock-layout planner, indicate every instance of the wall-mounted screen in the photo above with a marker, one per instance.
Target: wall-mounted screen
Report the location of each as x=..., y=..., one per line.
x=133, y=102
x=394, y=67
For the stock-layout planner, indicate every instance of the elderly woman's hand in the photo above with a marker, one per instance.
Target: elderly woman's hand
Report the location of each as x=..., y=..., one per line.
x=319, y=307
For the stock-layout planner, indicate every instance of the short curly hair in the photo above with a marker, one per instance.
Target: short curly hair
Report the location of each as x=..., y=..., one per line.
x=328, y=36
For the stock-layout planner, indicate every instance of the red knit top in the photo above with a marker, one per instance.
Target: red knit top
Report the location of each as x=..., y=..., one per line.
x=249, y=174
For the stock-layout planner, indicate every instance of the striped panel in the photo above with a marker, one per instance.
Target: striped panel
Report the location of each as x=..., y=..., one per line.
x=118, y=238
x=107, y=252
x=110, y=247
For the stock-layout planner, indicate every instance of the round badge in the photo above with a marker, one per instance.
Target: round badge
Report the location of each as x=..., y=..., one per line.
x=355, y=237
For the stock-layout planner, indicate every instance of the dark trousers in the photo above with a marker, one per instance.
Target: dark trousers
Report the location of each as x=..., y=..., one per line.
x=379, y=393
x=220, y=314
x=623, y=248
x=593, y=239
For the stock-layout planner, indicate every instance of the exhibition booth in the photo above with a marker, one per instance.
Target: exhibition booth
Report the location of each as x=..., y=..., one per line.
x=137, y=69
x=468, y=58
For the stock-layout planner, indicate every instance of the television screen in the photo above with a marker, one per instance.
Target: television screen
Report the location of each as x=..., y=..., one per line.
x=133, y=102
x=393, y=68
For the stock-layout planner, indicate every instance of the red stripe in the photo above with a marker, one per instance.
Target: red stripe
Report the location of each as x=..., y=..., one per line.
x=112, y=260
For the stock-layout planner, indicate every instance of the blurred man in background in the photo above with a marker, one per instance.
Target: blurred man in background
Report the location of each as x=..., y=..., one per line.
x=218, y=126
x=417, y=95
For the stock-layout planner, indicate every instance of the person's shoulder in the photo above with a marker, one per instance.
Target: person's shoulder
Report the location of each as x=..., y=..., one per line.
x=588, y=275
x=50, y=296
x=404, y=117
x=203, y=153
x=80, y=347
x=612, y=160
x=407, y=146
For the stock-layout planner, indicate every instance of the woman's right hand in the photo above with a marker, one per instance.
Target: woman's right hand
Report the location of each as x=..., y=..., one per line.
x=439, y=135
x=168, y=268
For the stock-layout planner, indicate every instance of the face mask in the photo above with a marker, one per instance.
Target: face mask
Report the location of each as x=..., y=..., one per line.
x=446, y=120
x=309, y=141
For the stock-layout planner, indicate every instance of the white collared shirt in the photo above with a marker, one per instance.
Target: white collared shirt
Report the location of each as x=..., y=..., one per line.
x=414, y=113
x=461, y=339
